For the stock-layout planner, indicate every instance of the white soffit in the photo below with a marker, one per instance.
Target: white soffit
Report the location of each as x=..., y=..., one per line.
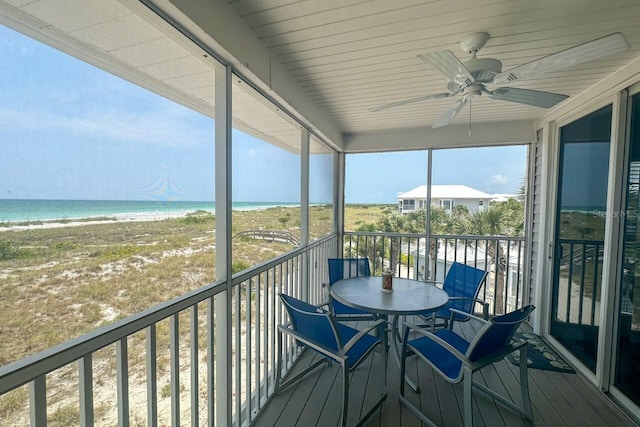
x=130, y=41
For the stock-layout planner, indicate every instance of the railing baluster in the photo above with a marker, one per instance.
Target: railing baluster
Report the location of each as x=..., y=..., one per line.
x=272, y=329
x=265, y=333
x=122, y=373
x=569, y=283
x=211, y=371
x=582, y=276
x=174, y=350
x=195, y=414
x=596, y=263
x=38, y=401
x=85, y=379
x=152, y=381
x=237, y=386
x=247, y=366
x=258, y=337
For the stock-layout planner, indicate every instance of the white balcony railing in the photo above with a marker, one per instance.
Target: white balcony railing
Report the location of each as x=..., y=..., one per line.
x=192, y=319
x=195, y=337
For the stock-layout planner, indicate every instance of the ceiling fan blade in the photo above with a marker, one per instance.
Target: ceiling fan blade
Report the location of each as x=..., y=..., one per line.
x=449, y=65
x=527, y=96
x=590, y=51
x=410, y=101
x=451, y=113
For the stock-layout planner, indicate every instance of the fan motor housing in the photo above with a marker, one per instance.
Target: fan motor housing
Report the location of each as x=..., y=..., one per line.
x=483, y=69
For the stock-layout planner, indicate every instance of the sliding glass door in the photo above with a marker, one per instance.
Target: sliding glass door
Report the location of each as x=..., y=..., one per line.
x=579, y=234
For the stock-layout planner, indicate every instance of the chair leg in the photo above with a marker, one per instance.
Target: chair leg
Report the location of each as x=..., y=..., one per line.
x=524, y=384
x=403, y=368
x=467, y=398
x=276, y=386
x=345, y=394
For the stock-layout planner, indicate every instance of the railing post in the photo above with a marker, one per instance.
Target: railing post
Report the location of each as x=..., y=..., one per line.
x=152, y=381
x=304, y=210
x=195, y=363
x=38, y=401
x=122, y=373
x=85, y=379
x=174, y=349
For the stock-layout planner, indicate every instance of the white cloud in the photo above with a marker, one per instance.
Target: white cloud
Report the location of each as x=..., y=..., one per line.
x=498, y=179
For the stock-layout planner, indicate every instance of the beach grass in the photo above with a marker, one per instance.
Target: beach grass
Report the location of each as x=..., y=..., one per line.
x=60, y=282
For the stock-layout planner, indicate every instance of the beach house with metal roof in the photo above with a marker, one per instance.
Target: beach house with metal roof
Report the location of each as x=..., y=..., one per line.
x=444, y=196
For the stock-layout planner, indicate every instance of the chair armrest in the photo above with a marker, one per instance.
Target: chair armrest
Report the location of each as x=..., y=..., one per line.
x=356, y=337
x=485, y=305
x=451, y=349
x=496, y=356
x=319, y=348
x=470, y=316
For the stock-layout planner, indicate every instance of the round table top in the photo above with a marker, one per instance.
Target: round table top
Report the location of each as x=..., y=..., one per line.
x=407, y=297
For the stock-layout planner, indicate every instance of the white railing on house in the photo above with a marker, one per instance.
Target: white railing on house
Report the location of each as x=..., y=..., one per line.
x=135, y=344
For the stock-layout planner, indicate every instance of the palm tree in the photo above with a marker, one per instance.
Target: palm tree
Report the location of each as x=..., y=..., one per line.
x=505, y=219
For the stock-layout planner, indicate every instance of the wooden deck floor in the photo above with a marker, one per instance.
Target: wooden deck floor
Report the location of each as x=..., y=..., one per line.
x=558, y=399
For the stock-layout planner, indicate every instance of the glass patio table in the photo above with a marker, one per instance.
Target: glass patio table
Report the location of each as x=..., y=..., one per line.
x=408, y=297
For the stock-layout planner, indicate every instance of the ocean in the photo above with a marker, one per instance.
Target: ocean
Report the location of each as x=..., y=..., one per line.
x=17, y=210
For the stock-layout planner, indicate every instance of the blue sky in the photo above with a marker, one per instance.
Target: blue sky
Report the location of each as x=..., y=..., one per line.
x=379, y=177
x=71, y=131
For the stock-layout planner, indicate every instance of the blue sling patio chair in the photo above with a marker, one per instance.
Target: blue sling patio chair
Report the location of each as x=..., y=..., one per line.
x=344, y=268
x=456, y=359
x=462, y=284
x=316, y=329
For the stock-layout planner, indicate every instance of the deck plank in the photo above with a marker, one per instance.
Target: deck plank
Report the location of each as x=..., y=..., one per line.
x=289, y=397
x=558, y=399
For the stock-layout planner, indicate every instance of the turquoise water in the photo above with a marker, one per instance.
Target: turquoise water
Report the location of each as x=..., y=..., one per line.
x=12, y=210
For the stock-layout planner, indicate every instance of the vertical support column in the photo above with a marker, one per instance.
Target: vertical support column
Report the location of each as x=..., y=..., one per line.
x=304, y=210
x=544, y=267
x=223, y=245
x=338, y=175
x=427, y=248
x=613, y=241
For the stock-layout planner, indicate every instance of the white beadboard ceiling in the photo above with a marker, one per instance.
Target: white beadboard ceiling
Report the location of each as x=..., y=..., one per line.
x=351, y=55
x=347, y=55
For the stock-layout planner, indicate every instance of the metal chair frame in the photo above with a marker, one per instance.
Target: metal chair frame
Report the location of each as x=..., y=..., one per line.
x=451, y=284
x=447, y=341
x=357, y=267
x=339, y=352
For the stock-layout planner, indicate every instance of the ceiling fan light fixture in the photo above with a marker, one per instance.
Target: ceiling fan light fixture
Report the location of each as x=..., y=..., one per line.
x=472, y=90
x=474, y=42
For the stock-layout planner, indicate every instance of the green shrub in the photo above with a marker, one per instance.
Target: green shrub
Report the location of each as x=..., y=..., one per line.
x=8, y=250
x=237, y=266
x=119, y=252
x=198, y=217
x=65, y=246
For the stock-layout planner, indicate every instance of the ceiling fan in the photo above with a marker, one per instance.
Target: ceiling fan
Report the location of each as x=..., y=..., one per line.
x=482, y=75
